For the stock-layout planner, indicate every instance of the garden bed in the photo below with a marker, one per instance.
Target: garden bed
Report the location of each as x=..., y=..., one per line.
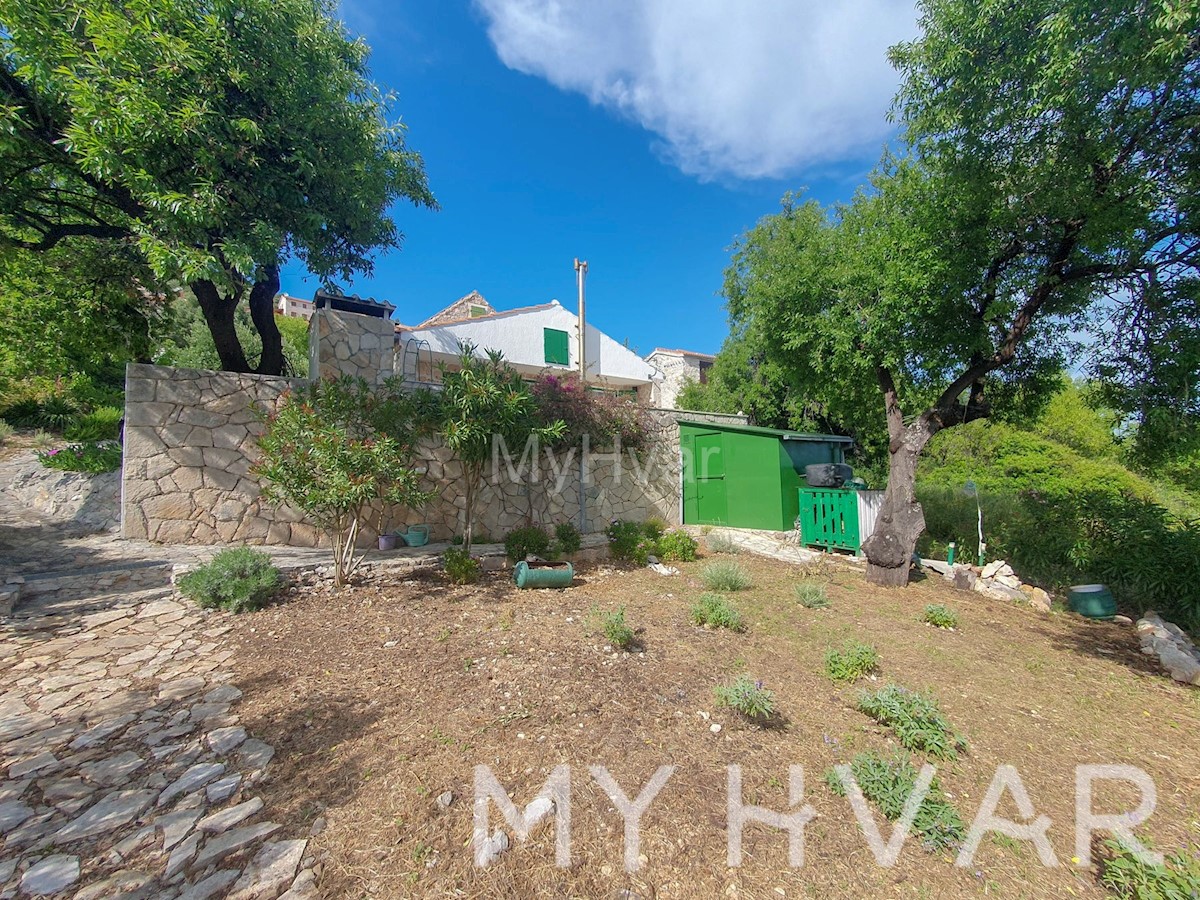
x=383, y=696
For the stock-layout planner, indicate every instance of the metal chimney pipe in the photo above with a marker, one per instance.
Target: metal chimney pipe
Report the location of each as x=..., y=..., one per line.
x=581, y=268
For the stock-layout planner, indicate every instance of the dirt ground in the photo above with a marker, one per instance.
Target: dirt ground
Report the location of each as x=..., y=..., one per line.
x=381, y=697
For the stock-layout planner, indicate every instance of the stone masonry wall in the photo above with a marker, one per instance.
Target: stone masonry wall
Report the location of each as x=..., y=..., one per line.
x=342, y=343
x=189, y=446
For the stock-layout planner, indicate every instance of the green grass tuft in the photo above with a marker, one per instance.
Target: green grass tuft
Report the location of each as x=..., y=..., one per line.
x=812, y=595
x=748, y=697
x=888, y=783
x=616, y=630
x=725, y=576
x=939, y=616
x=715, y=610
x=916, y=719
x=852, y=662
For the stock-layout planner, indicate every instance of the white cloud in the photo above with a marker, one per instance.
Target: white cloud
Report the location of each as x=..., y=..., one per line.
x=755, y=88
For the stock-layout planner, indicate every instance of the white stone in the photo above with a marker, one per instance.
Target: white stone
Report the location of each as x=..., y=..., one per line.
x=12, y=814
x=221, y=821
x=107, y=815
x=223, y=740
x=197, y=776
x=271, y=871
x=51, y=875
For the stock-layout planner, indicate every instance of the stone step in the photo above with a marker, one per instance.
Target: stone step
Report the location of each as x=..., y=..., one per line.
x=135, y=575
x=64, y=605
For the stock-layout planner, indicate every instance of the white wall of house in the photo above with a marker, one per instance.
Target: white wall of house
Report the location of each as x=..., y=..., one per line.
x=520, y=335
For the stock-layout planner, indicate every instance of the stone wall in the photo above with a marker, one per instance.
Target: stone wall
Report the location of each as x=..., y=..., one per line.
x=189, y=444
x=342, y=343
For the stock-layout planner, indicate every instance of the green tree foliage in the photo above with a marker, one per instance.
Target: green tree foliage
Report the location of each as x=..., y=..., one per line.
x=80, y=310
x=1062, y=518
x=189, y=343
x=337, y=446
x=1075, y=417
x=1048, y=163
x=220, y=137
x=484, y=400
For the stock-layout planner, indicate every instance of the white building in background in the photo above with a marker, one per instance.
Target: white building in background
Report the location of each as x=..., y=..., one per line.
x=533, y=339
x=676, y=368
x=293, y=307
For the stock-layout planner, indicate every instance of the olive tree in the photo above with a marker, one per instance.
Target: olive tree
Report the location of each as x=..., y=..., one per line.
x=1048, y=171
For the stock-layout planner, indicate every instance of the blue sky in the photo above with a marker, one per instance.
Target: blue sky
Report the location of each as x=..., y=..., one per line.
x=641, y=135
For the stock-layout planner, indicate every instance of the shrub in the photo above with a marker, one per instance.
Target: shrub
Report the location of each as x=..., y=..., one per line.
x=811, y=595
x=939, y=616
x=1060, y=518
x=334, y=448
x=654, y=527
x=102, y=424
x=531, y=540
x=725, y=576
x=678, y=546
x=237, y=580
x=715, y=610
x=720, y=543
x=633, y=541
x=6, y=432
x=56, y=413
x=852, y=662
x=568, y=537
x=916, y=719
x=461, y=567
x=602, y=416
x=747, y=696
x=92, y=458
x=1130, y=878
x=23, y=413
x=616, y=630
x=43, y=440
x=888, y=783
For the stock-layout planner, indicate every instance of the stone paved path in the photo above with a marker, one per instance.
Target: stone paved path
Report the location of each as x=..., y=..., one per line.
x=124, y=770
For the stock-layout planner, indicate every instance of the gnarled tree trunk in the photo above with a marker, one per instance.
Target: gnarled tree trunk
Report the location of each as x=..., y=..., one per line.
x=890, y=547
x=219, y=310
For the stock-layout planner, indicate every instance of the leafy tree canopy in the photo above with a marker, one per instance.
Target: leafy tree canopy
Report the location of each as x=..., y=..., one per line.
x=1049, y=163
x=220, y=137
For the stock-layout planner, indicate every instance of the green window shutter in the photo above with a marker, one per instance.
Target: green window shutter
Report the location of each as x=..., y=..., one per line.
x=558, y=349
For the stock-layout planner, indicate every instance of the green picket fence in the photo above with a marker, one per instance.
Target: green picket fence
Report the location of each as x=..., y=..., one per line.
x=829, y=518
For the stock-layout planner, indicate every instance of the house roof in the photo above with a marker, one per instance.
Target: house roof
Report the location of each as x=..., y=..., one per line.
x=458, y=310
x=681, y=353
x=467, y=320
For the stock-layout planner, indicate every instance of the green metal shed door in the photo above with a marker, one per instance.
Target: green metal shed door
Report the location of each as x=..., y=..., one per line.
x=712, y=504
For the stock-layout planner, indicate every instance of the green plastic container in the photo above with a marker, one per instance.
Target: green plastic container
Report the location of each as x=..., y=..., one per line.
x=547, y=575
x=1092, y=600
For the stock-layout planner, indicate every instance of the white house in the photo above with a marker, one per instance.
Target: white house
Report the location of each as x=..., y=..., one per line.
x=533, y=339
x=677, y=367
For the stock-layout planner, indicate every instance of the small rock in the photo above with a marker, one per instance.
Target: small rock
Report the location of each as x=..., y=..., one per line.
x=223, y=693
x=714, y=728
x=273, y=869
x=214, y=884
x=222, y=821
x=222, y=740
x=223, y=789
x=220, y=846
x=182, y=855
x=51, y=875
x=492, y=847
x=197, y=776
x=318, y=826
x=176, y=826
x=109, y=814
x=12, y=814
x=41, y=762
x=444, y=799
x=113, y=770
x=255, y=755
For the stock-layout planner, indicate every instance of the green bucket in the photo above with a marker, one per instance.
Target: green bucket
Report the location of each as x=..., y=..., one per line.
x=545, y=575
x=1092, y=600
